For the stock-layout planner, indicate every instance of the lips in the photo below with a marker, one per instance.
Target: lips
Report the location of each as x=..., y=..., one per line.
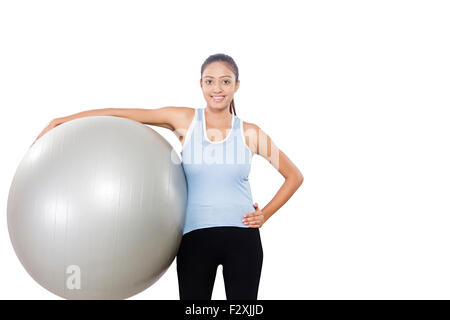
x=218, y=98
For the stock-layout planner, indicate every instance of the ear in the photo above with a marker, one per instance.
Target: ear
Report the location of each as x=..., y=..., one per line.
x=237, y=85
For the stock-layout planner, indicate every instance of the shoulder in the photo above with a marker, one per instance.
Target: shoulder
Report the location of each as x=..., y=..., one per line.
x=181, y=117
x=248, y=126
x=256, y=139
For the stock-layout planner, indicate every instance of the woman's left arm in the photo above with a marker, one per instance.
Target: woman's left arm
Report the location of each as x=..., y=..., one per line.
x=262, y=144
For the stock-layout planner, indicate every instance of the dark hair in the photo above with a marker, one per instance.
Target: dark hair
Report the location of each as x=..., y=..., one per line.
x=224, y=58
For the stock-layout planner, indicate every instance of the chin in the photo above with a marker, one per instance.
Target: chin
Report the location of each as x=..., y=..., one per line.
x=218, y=107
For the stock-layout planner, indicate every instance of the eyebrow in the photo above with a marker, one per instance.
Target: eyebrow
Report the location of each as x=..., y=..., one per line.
x=219, y=77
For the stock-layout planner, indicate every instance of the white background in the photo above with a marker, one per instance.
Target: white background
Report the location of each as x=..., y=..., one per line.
x=356, y=93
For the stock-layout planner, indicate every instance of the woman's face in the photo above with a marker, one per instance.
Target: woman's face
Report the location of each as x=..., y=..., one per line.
x=218, y=80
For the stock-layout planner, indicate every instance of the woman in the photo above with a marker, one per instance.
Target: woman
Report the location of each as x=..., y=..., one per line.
x=222, y=222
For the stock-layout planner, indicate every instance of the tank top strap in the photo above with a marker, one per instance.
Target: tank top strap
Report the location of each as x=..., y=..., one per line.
x=236, y=122
x=241, y=133
x=193, y=127
x=198, y=114
x=201, y=122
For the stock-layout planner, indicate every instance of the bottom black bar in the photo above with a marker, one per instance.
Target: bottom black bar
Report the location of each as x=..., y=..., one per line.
x=222, y=309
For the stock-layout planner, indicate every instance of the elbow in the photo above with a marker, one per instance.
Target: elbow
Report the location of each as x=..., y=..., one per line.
x=300, y=180
x=297, y=178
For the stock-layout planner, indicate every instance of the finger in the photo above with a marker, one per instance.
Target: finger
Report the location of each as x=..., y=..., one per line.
x=255, y=215
x=251, y=218
x=249, y=223
x=256, y=221
x=247, y=220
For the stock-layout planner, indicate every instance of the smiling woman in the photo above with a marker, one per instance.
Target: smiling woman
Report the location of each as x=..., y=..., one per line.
x=222, y=222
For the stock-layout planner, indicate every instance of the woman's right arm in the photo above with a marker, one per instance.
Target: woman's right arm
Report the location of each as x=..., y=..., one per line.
x=166, y=117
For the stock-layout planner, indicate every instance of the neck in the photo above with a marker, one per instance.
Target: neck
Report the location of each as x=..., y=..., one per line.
x=218, y=115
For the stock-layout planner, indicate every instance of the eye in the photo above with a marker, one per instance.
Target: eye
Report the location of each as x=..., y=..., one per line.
x=227, y=81
x=207, y=81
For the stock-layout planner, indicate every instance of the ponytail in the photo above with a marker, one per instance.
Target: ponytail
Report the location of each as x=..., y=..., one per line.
x=232, y=108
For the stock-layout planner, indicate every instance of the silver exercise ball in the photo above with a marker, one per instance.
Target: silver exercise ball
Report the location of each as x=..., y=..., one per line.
x=96, y=208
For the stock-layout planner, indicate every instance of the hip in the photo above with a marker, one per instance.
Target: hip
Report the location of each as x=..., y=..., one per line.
x=223, y=239
x=202, y=215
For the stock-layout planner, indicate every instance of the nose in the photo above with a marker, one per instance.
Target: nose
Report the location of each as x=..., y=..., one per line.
x=217, y=88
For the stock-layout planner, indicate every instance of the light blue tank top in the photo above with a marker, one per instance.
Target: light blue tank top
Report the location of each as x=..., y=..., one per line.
x=219, y=193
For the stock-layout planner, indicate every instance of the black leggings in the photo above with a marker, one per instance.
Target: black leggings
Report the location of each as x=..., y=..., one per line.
x=237, y=249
